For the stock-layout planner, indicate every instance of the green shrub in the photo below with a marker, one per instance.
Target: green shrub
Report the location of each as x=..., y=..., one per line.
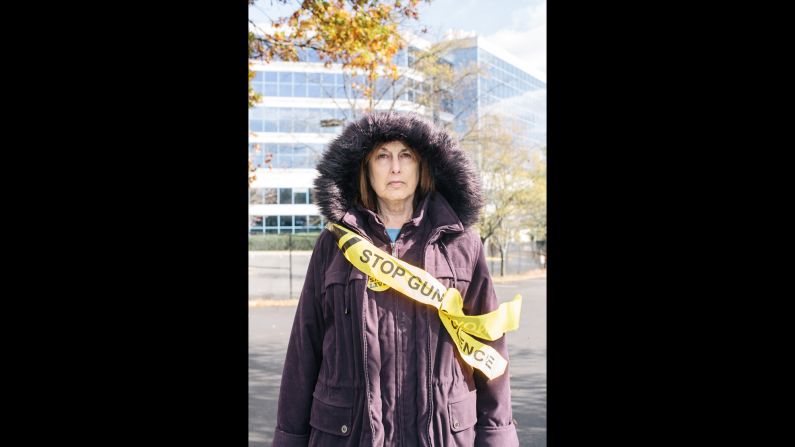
x=301, y=241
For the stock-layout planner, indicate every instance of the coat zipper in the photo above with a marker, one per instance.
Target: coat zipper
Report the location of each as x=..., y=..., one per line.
x=364, y=344
x=368, y=395
x=398, y=350
x=430, y=357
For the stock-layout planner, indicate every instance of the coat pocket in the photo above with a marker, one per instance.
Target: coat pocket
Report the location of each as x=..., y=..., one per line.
x=463, y=413
x=458, y=277
x=332, y=419
x=336, y=277
x=335, y=289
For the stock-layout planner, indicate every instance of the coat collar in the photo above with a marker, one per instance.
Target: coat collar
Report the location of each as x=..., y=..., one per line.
x=433, y=210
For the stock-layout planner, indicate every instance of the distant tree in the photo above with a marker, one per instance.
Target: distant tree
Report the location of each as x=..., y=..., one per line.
x=514, y=182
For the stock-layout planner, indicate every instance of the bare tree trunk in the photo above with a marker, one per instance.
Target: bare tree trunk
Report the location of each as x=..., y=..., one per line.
x=502, y=261
x=499, y=244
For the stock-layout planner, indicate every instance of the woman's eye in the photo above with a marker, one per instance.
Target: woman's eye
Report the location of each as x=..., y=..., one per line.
x=405, y=155
x=382, y=155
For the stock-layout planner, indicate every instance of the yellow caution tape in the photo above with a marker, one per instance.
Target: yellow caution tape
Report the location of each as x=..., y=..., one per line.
x=385, y=271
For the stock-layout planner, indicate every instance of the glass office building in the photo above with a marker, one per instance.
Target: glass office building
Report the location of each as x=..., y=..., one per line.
x=305, y=104
x=503, y=88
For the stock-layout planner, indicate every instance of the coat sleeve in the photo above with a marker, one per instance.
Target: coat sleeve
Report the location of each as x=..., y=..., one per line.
x=495, y=418
x=304, y=355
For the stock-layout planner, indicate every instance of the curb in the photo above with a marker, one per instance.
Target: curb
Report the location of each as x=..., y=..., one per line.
x=532, y=274
x=272, y=303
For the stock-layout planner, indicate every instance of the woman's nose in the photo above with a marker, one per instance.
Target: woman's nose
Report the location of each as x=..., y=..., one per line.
x=395, y=165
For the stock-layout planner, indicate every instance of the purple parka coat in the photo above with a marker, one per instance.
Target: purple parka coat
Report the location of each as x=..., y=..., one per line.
x=377, y=368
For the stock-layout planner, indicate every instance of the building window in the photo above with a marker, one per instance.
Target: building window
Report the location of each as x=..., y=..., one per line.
x=300, y=118
x=285, y=120
x=269, y=196
x=255, y=154
x=255, y=196
x=286, y=195
x=255, y=224
x=300, y=196
x=286, y=158
x=300, y=158
x=299, y=84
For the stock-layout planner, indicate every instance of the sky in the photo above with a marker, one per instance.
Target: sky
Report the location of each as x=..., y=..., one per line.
x=518, y=26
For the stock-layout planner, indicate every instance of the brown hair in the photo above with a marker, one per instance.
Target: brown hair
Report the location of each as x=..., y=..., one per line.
x=367, y=197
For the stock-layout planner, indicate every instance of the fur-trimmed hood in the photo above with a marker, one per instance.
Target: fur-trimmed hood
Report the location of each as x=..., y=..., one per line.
x=454, y=173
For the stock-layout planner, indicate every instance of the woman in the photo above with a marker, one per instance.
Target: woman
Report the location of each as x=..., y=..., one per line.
x=367, y=367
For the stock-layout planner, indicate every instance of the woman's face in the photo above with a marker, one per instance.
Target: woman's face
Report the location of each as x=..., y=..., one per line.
x=393, y=172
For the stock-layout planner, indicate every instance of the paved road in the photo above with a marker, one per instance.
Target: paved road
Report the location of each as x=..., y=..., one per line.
x=269, y=330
